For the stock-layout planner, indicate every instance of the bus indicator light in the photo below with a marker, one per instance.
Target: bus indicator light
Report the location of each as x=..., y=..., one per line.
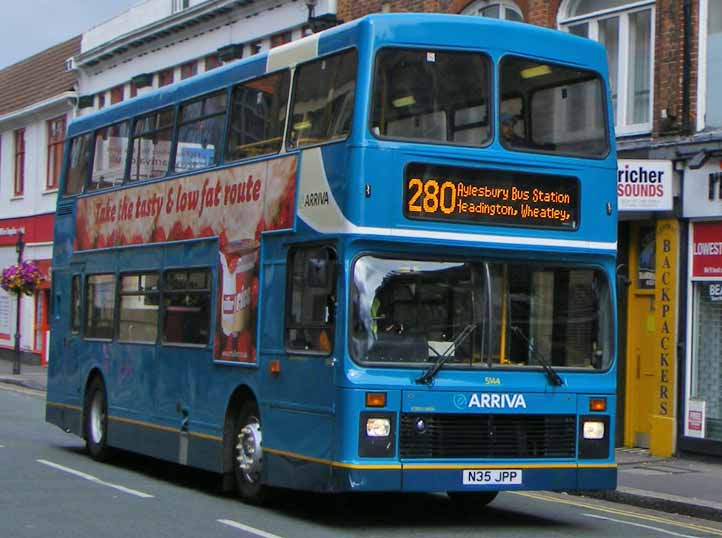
x=375, y=399
x=274, y=367
x=598, y=404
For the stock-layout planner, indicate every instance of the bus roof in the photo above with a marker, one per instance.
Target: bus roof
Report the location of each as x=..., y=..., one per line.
x=376, y=30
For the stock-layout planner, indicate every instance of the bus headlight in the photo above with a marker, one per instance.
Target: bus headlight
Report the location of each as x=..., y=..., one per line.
x=377, y=434
x=594, y=430
x=378, y=427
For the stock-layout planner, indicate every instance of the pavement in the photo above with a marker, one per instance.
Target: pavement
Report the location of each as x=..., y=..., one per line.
x=686, y=484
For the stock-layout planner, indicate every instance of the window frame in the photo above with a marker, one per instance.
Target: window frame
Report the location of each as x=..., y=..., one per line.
x=76, y=316
x=68, y=161
x=85, y=311
x=292, y=102
x=117, y=182
x=163, y=291
x=174, y=109
x=475, y=8
x=329, y=327
x=565, y=22
x=54, y=156
x=178, y=125
x=19, y=150
x=137, y=293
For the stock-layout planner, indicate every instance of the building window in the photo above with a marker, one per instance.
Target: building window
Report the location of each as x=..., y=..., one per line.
x=188, y=70
x=101, y=101
x=179, y=5
x=311, y=300
x=116, y=95
x=497, y=10
x=280, y=39
x=165, y=77
x=711, y=61
x=19, y=173
x=626, y=29
x=212, y=62
x=56, y=138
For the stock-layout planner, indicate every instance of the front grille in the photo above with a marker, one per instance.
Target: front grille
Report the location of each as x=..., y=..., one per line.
x=487, y=436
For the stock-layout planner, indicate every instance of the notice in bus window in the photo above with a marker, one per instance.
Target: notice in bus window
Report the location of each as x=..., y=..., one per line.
x=234, y=204
x=497, y=197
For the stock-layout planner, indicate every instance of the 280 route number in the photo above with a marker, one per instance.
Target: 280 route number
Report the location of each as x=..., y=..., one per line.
x=430, y=197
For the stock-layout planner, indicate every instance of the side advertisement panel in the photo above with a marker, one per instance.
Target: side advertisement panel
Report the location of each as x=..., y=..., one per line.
x=236, y=204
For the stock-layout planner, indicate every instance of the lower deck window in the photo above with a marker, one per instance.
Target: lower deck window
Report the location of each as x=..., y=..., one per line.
x=100, y=306
x=187, y=306
x=139, y=301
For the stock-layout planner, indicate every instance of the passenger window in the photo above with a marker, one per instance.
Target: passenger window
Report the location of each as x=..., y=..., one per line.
x=152, y=135
x=111, y=154
x=199, y=132
x=312, y=300
x=79, y=165
x=258, y=116
x=139, y=302
x=100, y=306
x=187, y=306
x=75, y=305
x=323, y=100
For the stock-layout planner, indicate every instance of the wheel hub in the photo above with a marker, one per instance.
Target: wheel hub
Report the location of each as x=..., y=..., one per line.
x=249, y=451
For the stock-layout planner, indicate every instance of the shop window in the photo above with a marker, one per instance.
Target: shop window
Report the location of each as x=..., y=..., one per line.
x=56, y=138
x=199, y=132
x=323, y=101
x=79, y=165
x=100, y=306
x=311, y=303
x=187, y=306
x=497, y=10
x=152, y=135
x=139, y=303
x=111, y=154
x=625, y=28
x=258, y=115
x=19, y=171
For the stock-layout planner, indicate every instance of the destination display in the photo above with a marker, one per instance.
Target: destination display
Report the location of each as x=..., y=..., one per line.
x=482, y=196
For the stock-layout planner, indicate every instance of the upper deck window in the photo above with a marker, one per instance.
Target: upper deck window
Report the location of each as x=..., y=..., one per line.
x=431, y=95
x=152, y=135
x=551, y=108
x=111, y=154
x=323, y=100
x=199, y=132
x=81, y=148
x=258, y=116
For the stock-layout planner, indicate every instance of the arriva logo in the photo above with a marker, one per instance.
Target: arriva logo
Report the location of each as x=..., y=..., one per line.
x=491, y=401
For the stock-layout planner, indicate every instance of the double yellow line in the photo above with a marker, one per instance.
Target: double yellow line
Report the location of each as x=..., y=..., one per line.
x=619, y=512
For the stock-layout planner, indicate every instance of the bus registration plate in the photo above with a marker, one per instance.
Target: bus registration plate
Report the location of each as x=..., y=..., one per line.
x=474, y=477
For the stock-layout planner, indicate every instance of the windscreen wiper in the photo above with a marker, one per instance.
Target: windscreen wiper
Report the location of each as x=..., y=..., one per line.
x=551, y=374
x=442, y=358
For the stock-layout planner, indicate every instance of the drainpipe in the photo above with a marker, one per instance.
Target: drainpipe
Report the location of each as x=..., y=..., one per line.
x=686, y=67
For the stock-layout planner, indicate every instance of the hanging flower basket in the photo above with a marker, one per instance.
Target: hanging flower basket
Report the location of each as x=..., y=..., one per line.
x=23, y=278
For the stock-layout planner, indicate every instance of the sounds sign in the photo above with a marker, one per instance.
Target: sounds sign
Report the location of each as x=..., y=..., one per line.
x=483, y=196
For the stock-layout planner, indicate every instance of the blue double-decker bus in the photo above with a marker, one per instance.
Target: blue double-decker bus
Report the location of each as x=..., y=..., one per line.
x=380, y=258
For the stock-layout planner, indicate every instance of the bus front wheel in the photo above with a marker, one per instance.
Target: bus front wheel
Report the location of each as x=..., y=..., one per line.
x=96, y=421
x=248, y=455
x=470, y=501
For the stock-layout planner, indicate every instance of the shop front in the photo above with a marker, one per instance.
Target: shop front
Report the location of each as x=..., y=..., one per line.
x=37, y=233
x=702, y=406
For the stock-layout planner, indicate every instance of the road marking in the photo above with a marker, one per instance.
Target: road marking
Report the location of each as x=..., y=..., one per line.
x=92, y=478
x=640, y=525
x=252, y=530
x=619, y=512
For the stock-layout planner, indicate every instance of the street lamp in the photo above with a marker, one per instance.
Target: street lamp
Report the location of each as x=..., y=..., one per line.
x=19, y=247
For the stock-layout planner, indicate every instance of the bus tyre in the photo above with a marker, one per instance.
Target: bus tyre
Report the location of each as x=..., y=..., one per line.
x=248, y=455
x=96, y=421
x=470, y=502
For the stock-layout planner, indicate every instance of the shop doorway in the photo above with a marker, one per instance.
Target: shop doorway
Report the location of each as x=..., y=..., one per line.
x=641, y=331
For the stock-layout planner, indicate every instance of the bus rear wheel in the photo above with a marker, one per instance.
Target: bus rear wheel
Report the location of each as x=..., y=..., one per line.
x=471, y=501
x=96, y=421
x=248, y=455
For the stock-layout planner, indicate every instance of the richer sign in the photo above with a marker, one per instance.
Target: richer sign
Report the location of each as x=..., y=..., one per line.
x=482, y=196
